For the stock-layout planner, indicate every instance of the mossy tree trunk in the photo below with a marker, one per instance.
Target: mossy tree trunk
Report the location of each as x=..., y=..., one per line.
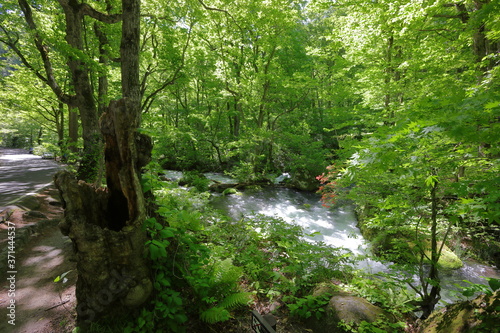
x=105, y=224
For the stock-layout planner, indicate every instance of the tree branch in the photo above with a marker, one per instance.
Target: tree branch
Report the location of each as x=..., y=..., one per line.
x=90, y=11
x=435, y=30
x=43, y=50
x=213, y=8
x=150, y=98
x=463, y=15
x=219, y=10
x=446, y=16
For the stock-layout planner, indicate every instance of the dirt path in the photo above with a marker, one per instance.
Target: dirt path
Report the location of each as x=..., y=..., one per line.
x=42, y=253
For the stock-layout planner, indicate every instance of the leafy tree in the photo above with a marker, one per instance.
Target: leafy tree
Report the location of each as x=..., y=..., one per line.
x=410, y=173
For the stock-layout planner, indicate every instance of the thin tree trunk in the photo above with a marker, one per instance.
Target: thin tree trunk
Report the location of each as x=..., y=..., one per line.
x=430, y=300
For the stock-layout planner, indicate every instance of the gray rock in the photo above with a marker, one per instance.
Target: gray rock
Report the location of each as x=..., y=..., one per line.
x=344, y=307
x=35, y=214
x=353, y=309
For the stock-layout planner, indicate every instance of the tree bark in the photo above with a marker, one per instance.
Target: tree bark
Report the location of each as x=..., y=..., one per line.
x=72, y=129
x=113, y=274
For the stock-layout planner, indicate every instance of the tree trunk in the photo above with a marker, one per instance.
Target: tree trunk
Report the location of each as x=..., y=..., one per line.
x=59, y=118
x=105, y=224
x=430, y=299
x=84, y=96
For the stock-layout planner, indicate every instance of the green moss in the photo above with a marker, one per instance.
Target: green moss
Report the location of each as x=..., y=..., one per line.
x=449, y=260
x=230, y=191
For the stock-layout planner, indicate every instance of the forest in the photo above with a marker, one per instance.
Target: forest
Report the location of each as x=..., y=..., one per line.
x=390, y=107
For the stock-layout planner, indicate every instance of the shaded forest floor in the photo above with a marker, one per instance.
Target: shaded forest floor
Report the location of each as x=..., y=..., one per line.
x=42, y=253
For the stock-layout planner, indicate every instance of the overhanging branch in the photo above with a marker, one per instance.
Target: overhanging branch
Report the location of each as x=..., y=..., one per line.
x=49, y=79
x=151, y=97
x=90, y=11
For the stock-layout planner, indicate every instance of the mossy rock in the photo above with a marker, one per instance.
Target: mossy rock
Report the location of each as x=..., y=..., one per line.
x=304, y=180
x=230, y=190
x=325, y=288
x=488, y=251
x=448, y=259
x=402, y=249
x=479, y=315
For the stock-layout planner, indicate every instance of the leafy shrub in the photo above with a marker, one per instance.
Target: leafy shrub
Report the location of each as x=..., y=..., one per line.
x=309, y=305
x=200, y=258
x=219, y=291
x=387, y=290
x=196, y=180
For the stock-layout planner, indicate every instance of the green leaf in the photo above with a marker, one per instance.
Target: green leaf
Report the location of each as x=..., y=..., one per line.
x=62, y=277
x=468, y=292
x=154, y=251
x=493, y=283
x=492, y=105
x=141, y=322
x=166, y=233
x=181, y=318
x=431, y=181
x=215, y=315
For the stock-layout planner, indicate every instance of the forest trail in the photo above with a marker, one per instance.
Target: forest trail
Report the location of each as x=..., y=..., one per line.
x=41, y=254
x=22, y=173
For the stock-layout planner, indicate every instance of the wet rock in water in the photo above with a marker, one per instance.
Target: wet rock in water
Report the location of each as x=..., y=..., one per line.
x=448, y=259
x=481, y=314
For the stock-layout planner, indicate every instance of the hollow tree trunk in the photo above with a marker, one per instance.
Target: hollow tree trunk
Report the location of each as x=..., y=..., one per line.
x=105, y=224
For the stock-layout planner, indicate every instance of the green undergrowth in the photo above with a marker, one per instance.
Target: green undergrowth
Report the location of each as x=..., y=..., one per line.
x=206, y=265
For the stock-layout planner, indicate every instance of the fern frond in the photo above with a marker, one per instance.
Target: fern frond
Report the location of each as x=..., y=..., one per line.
x=214, y=315
x=226, y=273
x=235, y=300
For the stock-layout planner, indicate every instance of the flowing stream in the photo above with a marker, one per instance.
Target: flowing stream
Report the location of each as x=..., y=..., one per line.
x=336, y=227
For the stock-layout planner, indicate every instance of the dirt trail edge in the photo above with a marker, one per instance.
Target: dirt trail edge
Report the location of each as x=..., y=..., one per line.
x=30, y=300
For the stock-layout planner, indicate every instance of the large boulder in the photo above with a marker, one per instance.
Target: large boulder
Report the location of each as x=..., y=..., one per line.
x=402, y=248
x=481, y=314
x=347, y=308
